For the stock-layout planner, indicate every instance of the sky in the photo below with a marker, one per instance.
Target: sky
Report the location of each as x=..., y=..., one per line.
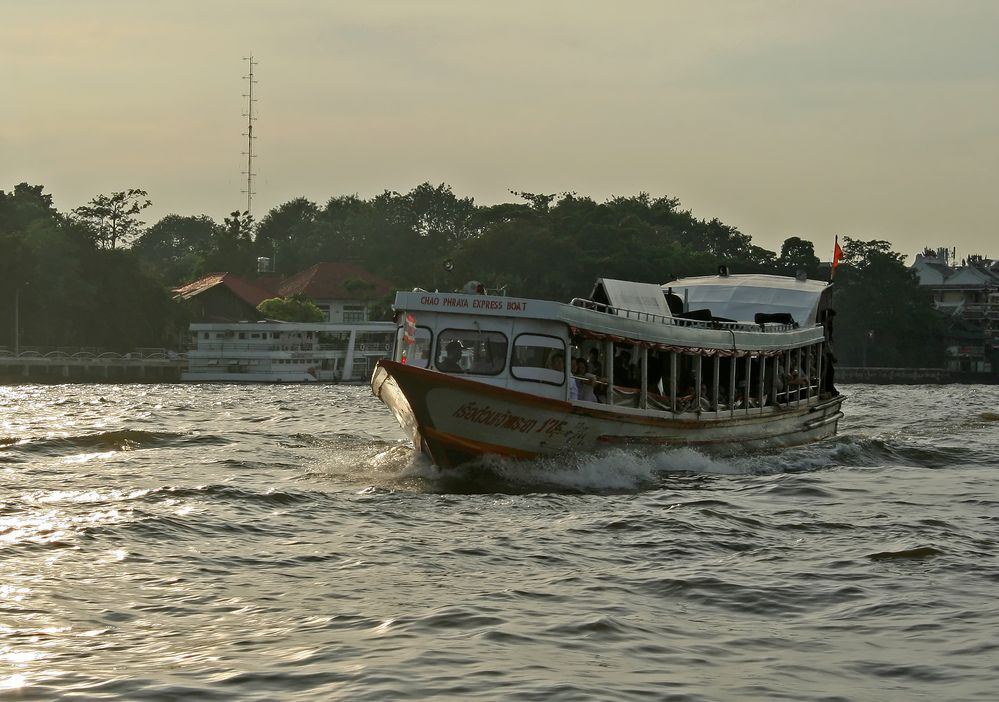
x=875, y=119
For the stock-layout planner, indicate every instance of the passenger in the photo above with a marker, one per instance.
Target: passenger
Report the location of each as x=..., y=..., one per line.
x=595, y=367
x=703, y=402
x=741, y=399
x=585, y=381
x=593, y=363
x=622, y=369
x=557, y=363
x=453, y=355
x=691, y=402
x=795, y=382
x=658, y=371
x=829, y=369
x=723, y=405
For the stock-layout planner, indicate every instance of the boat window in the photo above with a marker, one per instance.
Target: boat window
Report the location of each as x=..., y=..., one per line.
x=471, y=351
x=534, y=358
x=416, y=353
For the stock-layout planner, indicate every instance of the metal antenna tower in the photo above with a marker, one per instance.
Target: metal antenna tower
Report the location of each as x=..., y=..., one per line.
x=249, y=135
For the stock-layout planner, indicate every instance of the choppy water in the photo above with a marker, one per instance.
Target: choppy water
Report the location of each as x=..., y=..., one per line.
x=282, y=543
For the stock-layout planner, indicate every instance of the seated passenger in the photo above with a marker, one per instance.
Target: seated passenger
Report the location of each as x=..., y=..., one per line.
x=585, y=381
x=557, y=363
x=690, y=402
x=450, y=362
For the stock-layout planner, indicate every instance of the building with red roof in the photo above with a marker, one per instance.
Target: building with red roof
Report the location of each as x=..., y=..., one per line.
x=221, y=297
x=342, y=290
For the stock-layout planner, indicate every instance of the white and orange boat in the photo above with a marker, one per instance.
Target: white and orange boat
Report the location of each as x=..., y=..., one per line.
x=729, y=360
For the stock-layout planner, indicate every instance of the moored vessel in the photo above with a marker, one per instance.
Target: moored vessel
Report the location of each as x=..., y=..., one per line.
x=270, y=351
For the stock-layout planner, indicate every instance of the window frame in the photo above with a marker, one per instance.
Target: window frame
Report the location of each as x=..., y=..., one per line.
x=445, y=336
x=560, y=348
x=405, y=348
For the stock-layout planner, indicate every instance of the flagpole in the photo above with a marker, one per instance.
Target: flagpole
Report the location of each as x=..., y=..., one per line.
x=837, y=255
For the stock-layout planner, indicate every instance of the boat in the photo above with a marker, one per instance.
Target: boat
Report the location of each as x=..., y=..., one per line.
x=286, y=352
x=733, y=361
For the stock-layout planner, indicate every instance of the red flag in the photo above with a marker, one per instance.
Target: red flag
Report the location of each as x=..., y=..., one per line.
x=837, y=255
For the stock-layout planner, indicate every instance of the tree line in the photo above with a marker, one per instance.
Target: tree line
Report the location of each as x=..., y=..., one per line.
x=98, y=276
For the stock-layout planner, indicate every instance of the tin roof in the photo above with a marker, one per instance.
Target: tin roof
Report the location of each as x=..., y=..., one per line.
x=245, y=290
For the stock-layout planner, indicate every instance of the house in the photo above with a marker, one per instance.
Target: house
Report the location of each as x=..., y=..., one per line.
x=967, y=295
x=931, y=266
x=960, y=291
x=343, y=291
x=222, y=297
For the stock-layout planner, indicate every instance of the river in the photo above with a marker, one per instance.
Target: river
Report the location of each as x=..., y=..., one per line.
x=169, y=542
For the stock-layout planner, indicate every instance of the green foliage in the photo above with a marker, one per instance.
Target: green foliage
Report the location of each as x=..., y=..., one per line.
x=77, y=286
x=796, y=254
x=72, y=286
x=291, y=309
x=884, y=319
x=232, y=247
x=175, y=248
x=111, y=219
x=289, y=235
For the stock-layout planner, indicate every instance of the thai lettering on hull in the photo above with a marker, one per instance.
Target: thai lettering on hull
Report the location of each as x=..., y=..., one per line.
x=486, y=415
x=504, y=419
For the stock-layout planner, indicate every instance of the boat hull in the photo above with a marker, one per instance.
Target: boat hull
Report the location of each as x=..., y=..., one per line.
x=455, y=420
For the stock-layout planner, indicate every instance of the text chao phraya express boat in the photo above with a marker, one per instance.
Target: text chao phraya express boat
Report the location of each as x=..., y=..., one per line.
x=740, y=361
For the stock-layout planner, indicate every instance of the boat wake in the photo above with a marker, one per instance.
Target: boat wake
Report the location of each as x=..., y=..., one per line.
x=359, y=458
x=630, y=470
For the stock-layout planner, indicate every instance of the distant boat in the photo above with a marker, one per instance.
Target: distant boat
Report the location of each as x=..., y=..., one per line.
x=736, y=360
x=286, y=352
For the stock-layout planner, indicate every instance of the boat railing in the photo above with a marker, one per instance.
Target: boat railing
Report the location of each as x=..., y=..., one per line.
x=236, y=346
x=247, y=346
x=365, y=346
x=653, y=318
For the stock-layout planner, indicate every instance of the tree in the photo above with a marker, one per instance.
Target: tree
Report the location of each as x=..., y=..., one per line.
x=175, y=248
x=296, y=308
x=884, y=318
x=111, y=219
x=540, y=203
x=232, y=246
x=20, y=210
x=796, y=254
x=23, y=206
x=287, y=235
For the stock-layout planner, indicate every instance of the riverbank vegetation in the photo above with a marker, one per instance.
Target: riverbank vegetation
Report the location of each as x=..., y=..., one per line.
x=98, y=276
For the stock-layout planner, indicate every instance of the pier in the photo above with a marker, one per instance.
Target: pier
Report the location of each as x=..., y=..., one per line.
x=912, y=376
x=41, y=365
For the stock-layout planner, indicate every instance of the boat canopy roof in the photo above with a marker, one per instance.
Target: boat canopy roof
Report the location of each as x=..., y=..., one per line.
x=626, y=295
x=742, y=297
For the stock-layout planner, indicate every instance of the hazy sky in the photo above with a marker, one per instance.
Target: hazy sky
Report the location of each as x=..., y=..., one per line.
x=872, y=119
